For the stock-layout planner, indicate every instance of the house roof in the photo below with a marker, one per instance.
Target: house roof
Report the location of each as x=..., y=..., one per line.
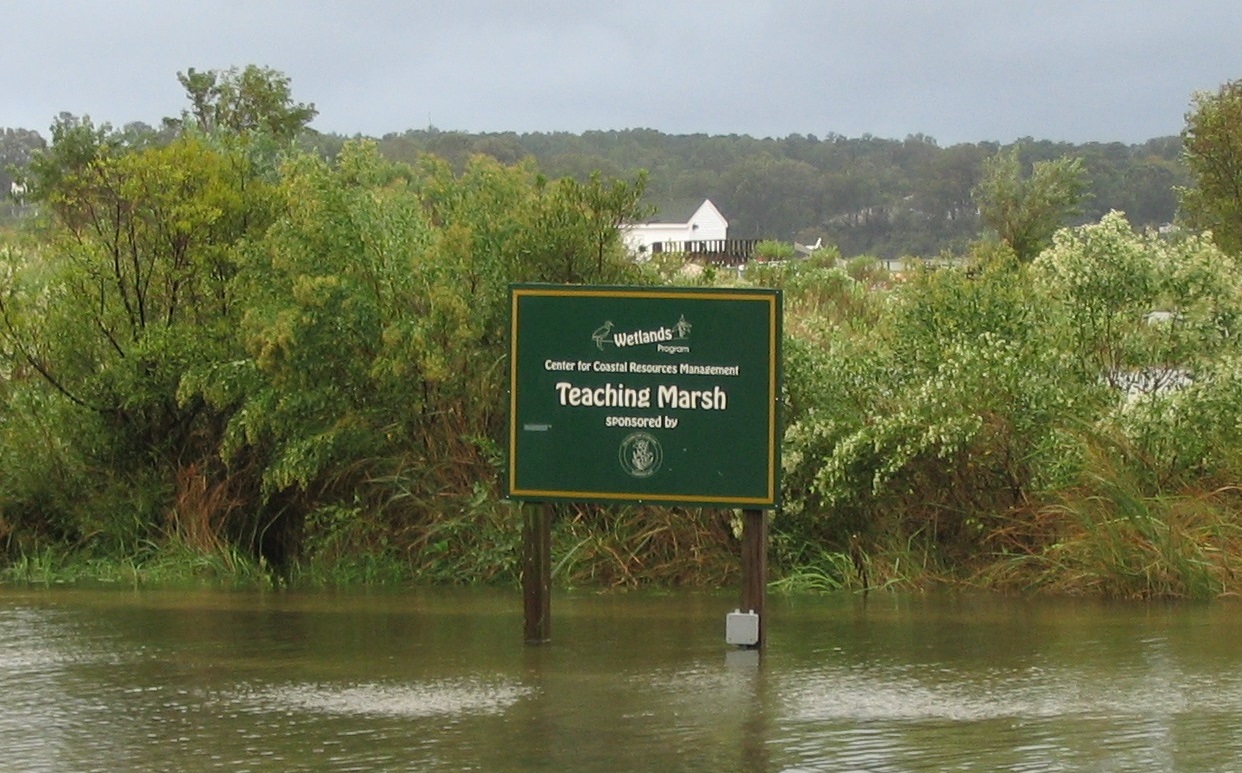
x=675, y=210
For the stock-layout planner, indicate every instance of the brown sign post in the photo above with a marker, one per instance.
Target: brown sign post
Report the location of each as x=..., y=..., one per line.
x=537, y=571
x=755, y=568
x=643, y=395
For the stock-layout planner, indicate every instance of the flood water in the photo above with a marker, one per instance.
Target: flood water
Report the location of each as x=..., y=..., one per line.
x=436, y=680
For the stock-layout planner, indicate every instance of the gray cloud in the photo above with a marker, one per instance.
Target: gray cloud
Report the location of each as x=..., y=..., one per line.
x=957, y=70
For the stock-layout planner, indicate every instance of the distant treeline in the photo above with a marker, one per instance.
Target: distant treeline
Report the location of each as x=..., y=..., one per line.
x=867, y=195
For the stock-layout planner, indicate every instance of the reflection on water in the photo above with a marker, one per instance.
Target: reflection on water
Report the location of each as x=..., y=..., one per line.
x=155, y=681
x=389, y=700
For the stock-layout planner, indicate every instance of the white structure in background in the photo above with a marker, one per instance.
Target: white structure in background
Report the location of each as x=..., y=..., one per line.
x=807, y=249
x=705, y=224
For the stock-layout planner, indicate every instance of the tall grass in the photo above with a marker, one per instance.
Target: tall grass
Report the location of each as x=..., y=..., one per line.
x=1119, y=544
x=1120, y=534
x=827, y=572
x=635, y=546
x=168, y=564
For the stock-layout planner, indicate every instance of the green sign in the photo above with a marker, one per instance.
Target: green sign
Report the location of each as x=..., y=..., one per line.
x=630, y=394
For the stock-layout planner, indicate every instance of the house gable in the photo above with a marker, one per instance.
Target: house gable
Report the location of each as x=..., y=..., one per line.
x=705, y=224
x=708, y=223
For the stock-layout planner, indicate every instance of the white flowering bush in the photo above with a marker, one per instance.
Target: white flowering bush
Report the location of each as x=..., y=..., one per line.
x=1141, y=304
x=1156, y=319
x=948, y=410
x=967, y=410
x=1184, y=438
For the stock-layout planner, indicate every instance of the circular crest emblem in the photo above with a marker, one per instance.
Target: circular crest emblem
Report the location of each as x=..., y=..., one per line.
x=640, y=454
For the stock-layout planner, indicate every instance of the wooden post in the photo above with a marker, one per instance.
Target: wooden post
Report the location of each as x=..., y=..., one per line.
x=755, y=568
x=537, y=571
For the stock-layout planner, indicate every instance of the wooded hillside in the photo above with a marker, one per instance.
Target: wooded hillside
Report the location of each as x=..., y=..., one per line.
x=867, y=195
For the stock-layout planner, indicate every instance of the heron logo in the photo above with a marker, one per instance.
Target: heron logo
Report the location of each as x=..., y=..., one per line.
x=640, y=454
x=605, y=335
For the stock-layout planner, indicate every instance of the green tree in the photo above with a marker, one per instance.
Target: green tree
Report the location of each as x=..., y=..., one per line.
x=253, y=100
x=139, y=243
x=376, y=306
x=937, y=418
x=607, y=206
x=868, y=195
x=771, y=197
x=1148, y=194
x=129, y=290
x=17, y=146
x=1152, y=321
x=1025, y=211
x=1212, y=141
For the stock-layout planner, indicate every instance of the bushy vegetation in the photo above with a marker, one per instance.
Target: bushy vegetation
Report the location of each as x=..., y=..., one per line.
x=217, y=341
x=983, y=423
x=224, y=356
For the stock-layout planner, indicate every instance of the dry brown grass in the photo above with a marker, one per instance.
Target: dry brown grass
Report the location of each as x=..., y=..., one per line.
x=200, y=511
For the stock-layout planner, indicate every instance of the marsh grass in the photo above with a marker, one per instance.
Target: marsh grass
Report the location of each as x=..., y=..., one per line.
x=167, y=564
x=640, y=546
x=200, y=512
x=828, y=572
x=1112, y=539
x=1138, y=547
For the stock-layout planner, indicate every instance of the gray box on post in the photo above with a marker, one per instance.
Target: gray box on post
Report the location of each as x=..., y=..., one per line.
x=742, y=628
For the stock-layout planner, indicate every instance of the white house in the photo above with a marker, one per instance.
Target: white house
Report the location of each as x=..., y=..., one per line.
x=703, y=224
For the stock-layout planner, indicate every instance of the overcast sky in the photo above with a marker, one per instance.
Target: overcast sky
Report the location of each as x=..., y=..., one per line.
x=956, y=70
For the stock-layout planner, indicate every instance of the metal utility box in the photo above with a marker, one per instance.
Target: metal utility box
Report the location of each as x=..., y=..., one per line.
x=742, y=628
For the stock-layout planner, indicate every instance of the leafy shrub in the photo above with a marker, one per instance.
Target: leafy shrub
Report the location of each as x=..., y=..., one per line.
x=770, y=250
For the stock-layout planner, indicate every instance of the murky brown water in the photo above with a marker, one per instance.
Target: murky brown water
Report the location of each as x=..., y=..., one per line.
x=440, y=681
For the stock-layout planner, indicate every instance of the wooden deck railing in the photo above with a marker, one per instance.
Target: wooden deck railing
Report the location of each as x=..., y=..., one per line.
x=729, y=252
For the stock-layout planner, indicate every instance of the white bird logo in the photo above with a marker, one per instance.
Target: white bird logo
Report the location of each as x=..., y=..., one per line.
x=601, y=334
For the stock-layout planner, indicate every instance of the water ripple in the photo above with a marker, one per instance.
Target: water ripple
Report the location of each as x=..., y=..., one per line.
x=833, y=694
x=465, y=697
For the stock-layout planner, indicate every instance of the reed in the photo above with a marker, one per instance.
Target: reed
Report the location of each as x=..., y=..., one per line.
x=168, y=563
x=1112, y=539
x=639, y=546
x=828, y=572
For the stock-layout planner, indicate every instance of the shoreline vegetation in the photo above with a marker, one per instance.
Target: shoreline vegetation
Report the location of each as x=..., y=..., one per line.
x=225, y=360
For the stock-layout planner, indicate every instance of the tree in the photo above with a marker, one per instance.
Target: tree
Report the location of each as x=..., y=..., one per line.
x=1212, y=141
x=16, y=148
x=375, y=311
x=607, y=206
x=1155, y=319
x=239, y=102
x=1026, y=211
x=138, y=260
x=771, y=197
x=1148, y=194
x=128, y=291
